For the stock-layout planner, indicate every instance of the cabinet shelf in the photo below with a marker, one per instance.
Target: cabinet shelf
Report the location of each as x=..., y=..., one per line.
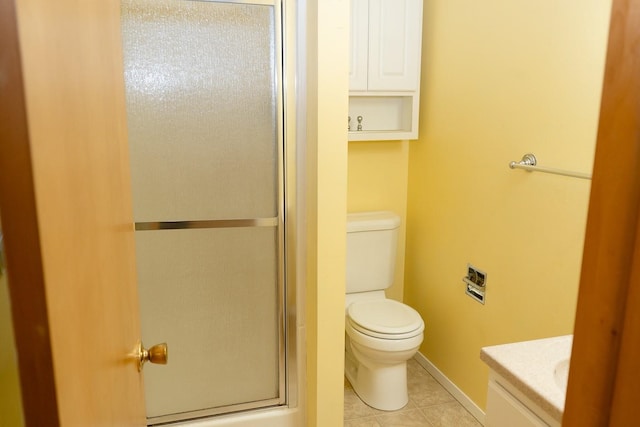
x=385, y=116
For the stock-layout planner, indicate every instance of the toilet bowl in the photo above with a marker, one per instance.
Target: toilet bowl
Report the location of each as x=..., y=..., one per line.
x=377, y=352
x=381, y=334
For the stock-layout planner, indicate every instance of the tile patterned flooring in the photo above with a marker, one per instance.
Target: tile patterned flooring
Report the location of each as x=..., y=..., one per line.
x=430, y=405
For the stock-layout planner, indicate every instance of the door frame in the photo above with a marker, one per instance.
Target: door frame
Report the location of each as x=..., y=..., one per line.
x=605, y=360
x=18, y=207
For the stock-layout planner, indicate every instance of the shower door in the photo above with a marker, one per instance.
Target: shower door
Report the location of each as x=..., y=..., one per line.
x=204, y=117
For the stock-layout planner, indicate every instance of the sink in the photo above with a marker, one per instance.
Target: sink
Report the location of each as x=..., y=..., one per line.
x=561, y=374
x=534, y=373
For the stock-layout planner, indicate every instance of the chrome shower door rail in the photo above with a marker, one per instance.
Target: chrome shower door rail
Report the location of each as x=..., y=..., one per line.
x=214, y=223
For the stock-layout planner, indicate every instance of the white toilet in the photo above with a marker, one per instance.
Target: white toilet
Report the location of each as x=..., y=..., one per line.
x=381, y=334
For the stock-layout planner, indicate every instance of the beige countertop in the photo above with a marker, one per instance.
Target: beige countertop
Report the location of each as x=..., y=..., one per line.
x=530, y=367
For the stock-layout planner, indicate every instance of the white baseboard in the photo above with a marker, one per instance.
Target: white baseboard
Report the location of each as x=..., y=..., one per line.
x=445, y=382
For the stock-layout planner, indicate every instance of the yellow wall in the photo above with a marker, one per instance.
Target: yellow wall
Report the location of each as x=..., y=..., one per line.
x=500, y=79
x=326, y=197
x=377, y=180
x=10, y=401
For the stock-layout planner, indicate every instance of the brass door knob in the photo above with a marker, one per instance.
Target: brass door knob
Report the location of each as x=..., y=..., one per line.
x=158, y=354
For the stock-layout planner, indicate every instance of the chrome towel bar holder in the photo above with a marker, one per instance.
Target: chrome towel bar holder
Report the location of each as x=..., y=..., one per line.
x=530, y=163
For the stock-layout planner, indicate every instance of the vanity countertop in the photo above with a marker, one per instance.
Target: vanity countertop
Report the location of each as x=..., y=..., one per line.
x=529, y=366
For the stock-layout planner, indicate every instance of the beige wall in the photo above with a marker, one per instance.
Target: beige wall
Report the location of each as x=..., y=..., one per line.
x=377, y=180
x=501, y=79
x=326, y=197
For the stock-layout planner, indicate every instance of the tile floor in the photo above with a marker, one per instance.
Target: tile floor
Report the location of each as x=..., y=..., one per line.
x=430, y=405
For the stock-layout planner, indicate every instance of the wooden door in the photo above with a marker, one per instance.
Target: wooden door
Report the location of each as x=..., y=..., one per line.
x=603, y=381
x=66, y=212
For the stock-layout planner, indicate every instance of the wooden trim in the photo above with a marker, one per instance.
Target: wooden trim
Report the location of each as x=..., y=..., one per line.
x=22, y=241
x=624, y=410
x=610, y=252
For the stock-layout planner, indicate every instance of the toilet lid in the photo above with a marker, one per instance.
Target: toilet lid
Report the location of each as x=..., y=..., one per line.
x=385, y=318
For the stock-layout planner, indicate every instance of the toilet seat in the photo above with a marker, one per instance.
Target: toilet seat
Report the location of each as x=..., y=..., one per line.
x=385, y=318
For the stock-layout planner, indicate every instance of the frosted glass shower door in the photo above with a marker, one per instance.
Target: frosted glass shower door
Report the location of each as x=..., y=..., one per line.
x=204, y=122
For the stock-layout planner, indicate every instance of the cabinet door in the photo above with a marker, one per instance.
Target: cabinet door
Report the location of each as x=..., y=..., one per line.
x=504, y=410
x=359, y=45
x=395, y=36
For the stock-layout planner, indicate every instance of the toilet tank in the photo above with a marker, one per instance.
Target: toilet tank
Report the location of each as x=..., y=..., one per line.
x=371, y=250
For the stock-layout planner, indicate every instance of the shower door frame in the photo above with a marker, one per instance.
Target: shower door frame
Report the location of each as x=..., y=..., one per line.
x=285, y=223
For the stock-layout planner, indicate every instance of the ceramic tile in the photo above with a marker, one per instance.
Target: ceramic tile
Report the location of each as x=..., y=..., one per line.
x=403, y=419
x=362, y=422
x=408, y=407
x=427, y=392
x=348, y=387
x=414, y=369
x=430, y=405
x=449, y=415
x=354, y=407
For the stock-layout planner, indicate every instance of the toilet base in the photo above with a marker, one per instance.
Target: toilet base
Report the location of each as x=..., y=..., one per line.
x=384, y=387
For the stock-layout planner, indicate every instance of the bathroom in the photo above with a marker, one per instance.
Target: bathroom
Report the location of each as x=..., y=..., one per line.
x=459, y=201
x=538, y=92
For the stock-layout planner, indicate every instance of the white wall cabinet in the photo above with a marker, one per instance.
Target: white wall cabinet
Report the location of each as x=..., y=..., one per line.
x=359, y=45
x=384, y=80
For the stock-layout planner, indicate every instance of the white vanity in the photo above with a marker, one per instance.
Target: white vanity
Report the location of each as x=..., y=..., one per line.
x=527, y=382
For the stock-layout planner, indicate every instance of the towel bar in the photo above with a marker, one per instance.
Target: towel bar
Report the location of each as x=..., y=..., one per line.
x=530, y=163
